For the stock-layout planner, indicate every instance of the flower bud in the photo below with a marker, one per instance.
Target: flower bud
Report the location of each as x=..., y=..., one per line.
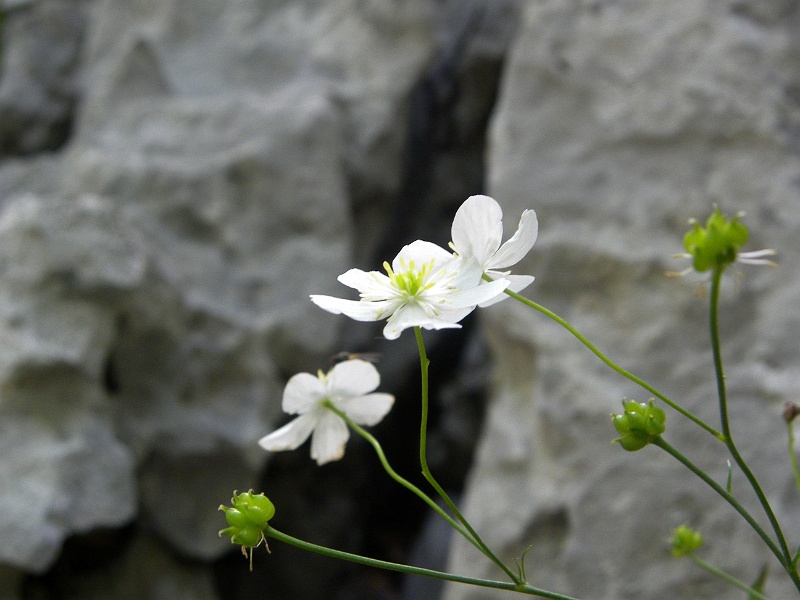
x=716, y=245
x=790, y=411
x=639, y=425
x=685, y=540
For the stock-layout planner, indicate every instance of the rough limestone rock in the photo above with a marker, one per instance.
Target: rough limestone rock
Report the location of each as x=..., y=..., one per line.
x=154, y=273
x=617, y=123
x=40, y=42
x=188, y=171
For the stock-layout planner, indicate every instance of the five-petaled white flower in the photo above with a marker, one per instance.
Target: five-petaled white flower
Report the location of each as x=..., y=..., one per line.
x=346, y=386
x=425, y=286
x=477, y=232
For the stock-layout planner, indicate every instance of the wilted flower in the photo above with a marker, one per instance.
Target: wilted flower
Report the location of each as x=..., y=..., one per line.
x=425, y=286
x=477, y=232
x=346, y=386
x=717, y=245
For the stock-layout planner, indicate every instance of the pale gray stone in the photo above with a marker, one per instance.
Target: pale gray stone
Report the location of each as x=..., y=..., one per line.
x=156, y=271
x=618, y=122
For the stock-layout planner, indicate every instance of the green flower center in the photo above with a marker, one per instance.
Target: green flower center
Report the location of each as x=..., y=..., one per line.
x=410, y=281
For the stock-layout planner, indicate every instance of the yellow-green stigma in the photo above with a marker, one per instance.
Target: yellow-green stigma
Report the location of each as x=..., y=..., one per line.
x=410, y=282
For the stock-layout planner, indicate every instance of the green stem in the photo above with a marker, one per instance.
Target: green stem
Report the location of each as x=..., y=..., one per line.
x=523, y=588
x=728, y=497
x=423, y=460
x=793, y=454
x=394, y=475
x=726, y=428
x=640, y=382
x=753, y=594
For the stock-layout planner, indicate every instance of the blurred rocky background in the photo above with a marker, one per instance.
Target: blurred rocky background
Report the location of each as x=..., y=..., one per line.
x=177, y=176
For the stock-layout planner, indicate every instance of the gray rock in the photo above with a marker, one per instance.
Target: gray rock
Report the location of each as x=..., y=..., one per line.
x=41, y=41
x=67, y=470
x=155, y=273
x=617, y=123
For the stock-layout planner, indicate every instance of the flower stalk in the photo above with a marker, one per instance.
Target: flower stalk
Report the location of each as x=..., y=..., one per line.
x=785, y=555
x=752, y=594
x=596, y=351
x=426, y=472
x=398, y=478
x=521, y=587
x=727, y=496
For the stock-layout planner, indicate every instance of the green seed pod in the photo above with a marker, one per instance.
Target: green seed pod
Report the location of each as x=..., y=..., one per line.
x=256, y=507
x=639, y=424
x=247, y=518
x=246, y=536
x=236, y=518
x=685, y=540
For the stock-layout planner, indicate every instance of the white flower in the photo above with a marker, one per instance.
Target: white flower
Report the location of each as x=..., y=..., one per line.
x=425, y=286
x=477, y=232
x=346, y=386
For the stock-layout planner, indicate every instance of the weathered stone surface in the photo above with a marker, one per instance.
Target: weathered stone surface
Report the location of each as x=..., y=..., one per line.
x=617, y=123
x=65, y=470
x=41, y=42
x=154, y=274
x=227, y=159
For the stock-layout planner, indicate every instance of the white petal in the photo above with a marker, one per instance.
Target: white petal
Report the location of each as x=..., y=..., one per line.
x=517, y=284
x=756, y=261
x=302, y=393
x=291, y=435
x=478, y=228
x=468, y=272
x=360, y=311
x=329, y=438
x=453, y=316
x=756, y=257
x=352, y=378
x=520, y=243
x=477, y=295
x=758, y=253
x=367, y=410
x=412, y=315
x=364, y=280
x=421, y=253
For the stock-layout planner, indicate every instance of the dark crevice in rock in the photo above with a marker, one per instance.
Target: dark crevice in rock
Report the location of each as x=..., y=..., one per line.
x=354, y=505
x=111, y=382
x=84, y=555
x=40, y=49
